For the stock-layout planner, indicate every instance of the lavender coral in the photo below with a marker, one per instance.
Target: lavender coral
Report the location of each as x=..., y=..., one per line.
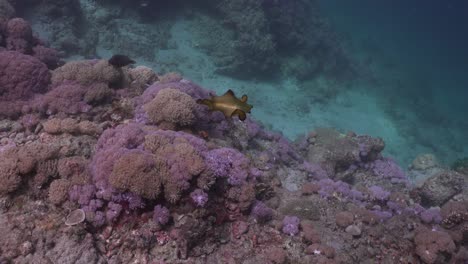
x=199, y=197
x=21, y=76
x=378, y=193
x=291, y=225
x=228, y=163
x=161, y=214
x=387, y=168
x=67, y=98
x=132, y=159
x=261, y=211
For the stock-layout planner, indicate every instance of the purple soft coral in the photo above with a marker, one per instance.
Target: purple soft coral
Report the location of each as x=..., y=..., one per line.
x=387, y=168
x=378, y=193
x=161, y=215
x=113, y=211
x=230, y=163
x=199, y=197
x=82, y=193
x=262, y=212
x=291, y=225
x=431, y=215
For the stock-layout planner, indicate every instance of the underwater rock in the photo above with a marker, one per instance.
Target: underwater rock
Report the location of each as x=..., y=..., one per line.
x=354, y=230
x=440, y=187
x=424, y=162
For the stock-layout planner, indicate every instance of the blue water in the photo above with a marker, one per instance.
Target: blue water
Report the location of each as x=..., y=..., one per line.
x=423, y=44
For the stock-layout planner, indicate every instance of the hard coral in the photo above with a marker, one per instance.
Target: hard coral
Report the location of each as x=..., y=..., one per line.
x=16, y=162
x=9, y=176
x=58, y=191
x=173, y=107
x=74, y=169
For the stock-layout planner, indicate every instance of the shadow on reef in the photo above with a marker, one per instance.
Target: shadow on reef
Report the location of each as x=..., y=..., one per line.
x=105, y=164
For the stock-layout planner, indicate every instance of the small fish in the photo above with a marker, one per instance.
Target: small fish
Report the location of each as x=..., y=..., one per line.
x=119, y=60
x=228, y=104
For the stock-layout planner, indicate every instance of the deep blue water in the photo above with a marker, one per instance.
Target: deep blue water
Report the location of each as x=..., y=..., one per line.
x=425, y=42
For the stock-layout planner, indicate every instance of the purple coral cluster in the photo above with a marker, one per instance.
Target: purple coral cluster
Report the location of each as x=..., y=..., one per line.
x=161, y=214
x=21, y=76
x=291, y=225
x=199, y=197
x=378, y=193
x=314, y=170
x=24, y=64
x=388, y=168
x=261, y=212
x=134, y=161
x=18, y=36
x=228, y=163
x=180, y=186
x=329, y=188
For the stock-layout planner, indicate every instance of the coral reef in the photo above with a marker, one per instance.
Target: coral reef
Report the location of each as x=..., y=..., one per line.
x=119, y=165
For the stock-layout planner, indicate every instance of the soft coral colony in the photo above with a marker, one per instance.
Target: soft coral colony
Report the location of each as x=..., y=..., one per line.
x=161, y=178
